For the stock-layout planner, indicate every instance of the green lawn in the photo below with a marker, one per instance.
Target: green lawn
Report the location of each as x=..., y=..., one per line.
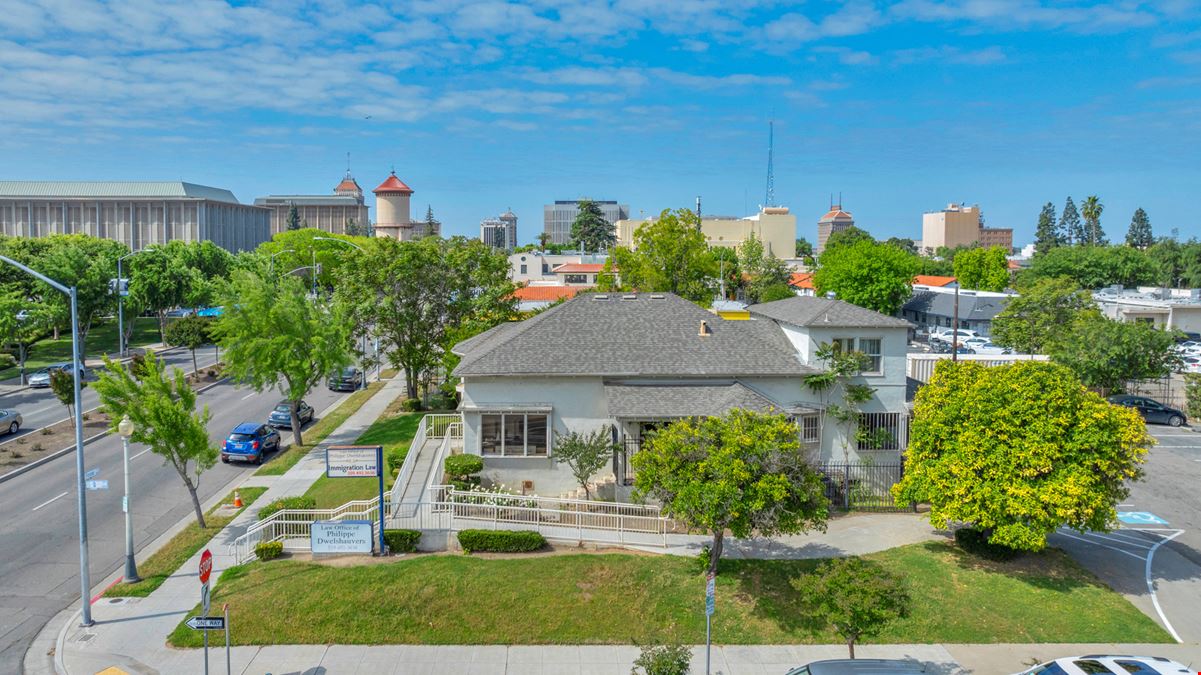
x=166, y=560
x=390, y=432
x=636, y=599
x=102, y=339
x=279, y=464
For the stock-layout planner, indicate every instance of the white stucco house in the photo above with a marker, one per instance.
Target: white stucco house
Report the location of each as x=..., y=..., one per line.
x=631, y=362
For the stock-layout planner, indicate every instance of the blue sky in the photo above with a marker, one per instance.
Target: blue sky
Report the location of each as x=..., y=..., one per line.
x=902, y=105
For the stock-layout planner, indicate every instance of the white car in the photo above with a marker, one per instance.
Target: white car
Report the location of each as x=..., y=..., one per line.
x=1095, y=664
x=947, y=335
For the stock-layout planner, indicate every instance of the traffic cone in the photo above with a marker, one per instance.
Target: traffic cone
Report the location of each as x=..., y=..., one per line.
x=237, y=500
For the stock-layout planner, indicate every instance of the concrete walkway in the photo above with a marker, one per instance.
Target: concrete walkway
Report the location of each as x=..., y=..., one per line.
x=131, y=631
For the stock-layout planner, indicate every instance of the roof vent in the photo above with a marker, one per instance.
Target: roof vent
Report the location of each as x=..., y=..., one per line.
x=705, y=331
x=657, y=296
x=830, y=295
x=600, y=296
x=629, y=297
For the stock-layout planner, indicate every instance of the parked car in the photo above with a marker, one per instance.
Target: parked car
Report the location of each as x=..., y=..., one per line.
x=347, y=379
x=948, y=335
x=1189, y=364
x=41, y=378
x=1152, y=411
x=10, y=420
x=860, y=667
x=281, y=417
x=1106, y=664
x=249, y=441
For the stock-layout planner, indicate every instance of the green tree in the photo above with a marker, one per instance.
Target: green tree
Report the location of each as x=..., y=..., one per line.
x=354, y=229
x=1106, y=354
x=191, y=332
x=590, y=231
x=841, y=395
x=584, y=454
x=729, y=272
x=22, y=322
x=1093, y=267
x=293, y=218
x=1166, y=258
x=851, y=235
x=670, y=254
x=876, y=276
x=416, y=294
x=274, y=335
x=1047, y=234
x=983, y=269
x=432, y=224
x=742, y=472
x=1070, y=225
x=162, y=408
x=1139, y=235
x=62, y=383
x=764, y=272
x=300, y=248
x=1019, y=451
x=159, y=281
x=543, y=240
x=1192, y=394
x=1043, y=313
x=905, y=244
x=854, y=596
x=1091, y=209
x=87, y=263
x=803, y=248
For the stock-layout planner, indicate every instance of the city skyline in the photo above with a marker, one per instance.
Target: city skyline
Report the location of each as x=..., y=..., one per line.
x=902, y=107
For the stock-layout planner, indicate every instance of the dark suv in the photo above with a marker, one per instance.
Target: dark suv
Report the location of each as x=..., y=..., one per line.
x=281, y=417
x=347, y=379
x=1153, y=411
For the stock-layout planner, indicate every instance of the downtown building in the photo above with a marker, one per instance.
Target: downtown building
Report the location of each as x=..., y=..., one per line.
x=334, y=213
x=557, y=218
x=500, y=233
x=135, y=213
x=961, y=225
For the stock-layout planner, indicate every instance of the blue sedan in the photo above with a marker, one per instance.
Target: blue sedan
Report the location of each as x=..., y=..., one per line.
x=249, y=442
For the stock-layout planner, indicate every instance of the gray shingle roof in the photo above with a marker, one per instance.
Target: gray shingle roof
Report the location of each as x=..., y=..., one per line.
x=77, y=189
x=630, y=335
x=971, y=307
x=810, y=311
x=655, y=401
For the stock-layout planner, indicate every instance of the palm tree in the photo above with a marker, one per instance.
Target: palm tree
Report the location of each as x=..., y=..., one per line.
x=543, y=240
x=1091, y=209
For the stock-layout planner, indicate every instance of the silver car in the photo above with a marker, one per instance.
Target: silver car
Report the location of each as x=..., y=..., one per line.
x=42, y=377
x=10, y=420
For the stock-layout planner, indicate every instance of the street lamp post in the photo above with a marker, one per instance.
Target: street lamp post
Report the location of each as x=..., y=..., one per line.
x=125, y=428
x=85, y=583
x=271, y=262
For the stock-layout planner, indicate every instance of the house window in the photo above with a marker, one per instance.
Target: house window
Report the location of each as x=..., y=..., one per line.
x=810, y=426
x=878, y=431
x=523, y=270
x=871, y=348
x=513, y=435
x=575, y=278
x=843, y=345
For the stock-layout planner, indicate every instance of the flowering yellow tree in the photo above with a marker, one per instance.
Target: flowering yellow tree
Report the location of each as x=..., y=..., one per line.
x=1018, y=451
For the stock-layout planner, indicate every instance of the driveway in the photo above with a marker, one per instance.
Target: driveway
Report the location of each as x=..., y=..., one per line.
x=1155, y=558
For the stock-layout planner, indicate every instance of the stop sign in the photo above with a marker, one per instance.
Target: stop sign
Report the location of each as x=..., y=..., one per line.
x=206, y=566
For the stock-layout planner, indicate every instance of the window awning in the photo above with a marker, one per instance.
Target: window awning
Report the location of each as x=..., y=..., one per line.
x=508, y=408
x=646, y=402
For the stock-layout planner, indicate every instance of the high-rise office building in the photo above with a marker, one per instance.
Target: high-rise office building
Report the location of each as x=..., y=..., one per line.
x=835, y=220
x=500, y=232
x=558, y=217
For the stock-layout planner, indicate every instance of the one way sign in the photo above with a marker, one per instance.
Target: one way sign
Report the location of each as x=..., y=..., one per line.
x=206, y=623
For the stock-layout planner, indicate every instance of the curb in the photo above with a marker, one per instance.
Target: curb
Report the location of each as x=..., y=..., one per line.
x=71, y=448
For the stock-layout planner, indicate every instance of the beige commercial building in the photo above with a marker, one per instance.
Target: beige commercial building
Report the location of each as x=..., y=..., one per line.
x=329, y=213
x=960, y=225
x=558, y=218
x=774, y=226
x=835, y=220
x=135, y=213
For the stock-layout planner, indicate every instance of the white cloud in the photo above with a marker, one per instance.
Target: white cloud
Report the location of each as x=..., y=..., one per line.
x=1027, y=14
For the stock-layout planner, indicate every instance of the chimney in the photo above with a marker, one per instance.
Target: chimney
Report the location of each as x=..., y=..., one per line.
x=705, y=329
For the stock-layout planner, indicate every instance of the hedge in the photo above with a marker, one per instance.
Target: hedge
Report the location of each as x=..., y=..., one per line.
x=298, y=502
x=458, y=466
x=396, y=458
x=402, y=541
x=501, y=541
x=268, y=550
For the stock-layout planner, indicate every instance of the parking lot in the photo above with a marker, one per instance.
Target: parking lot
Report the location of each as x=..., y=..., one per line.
x=1155, y=557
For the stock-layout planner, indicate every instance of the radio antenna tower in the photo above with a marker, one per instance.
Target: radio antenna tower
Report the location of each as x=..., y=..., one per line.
x=771, y=176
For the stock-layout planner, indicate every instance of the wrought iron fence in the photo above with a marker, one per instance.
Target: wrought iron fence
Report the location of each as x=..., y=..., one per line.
x=861, y=486
x=623, y=469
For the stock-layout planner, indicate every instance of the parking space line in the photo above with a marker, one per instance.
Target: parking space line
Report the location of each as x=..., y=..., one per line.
x=139, y=454
x=1097, y=543
x=1129, y=540
x=249, y=395
x=1151, y=584
x=50, y=500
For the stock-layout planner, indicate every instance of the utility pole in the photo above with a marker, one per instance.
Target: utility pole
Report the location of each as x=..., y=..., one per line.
x=955, y=327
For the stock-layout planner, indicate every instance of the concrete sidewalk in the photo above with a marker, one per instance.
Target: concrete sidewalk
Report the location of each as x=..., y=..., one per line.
x=132, y=631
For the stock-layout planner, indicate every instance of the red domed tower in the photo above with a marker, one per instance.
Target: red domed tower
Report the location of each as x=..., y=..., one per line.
x=392, y=209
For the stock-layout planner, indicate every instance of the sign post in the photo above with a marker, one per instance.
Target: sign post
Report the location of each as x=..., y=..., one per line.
x=710, y=606
x=359, y=461
x=225, y=615
x=206, y=569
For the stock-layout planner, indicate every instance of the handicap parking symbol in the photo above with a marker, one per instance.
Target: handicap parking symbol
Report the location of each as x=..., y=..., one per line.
x=1140, y=518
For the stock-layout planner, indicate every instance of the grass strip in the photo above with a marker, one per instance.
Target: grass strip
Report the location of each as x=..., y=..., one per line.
x=102, y=339
x=392, y=432
x=279, y=464
x=165, y=561
x=639, y=599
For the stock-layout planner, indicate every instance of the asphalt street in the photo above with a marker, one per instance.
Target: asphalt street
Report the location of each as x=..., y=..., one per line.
x=1155, y=558
x=39, y=554
x=39, y=407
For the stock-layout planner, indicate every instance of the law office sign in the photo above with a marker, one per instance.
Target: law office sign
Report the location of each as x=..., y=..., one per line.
x=341, y=536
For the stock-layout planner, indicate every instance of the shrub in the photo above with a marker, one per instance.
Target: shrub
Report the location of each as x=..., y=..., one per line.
x=700, y=564
x=396, y=457
x=16, y=454
x=402, y=541
x=671, y=659
x=501, y=541
x=7, y=360
x=268, y=550
x=410, y=405
x=466, y=484
x=975, y=541
x=38, y=447
x=459, y=466
x=46, y=431
x=287, y=503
